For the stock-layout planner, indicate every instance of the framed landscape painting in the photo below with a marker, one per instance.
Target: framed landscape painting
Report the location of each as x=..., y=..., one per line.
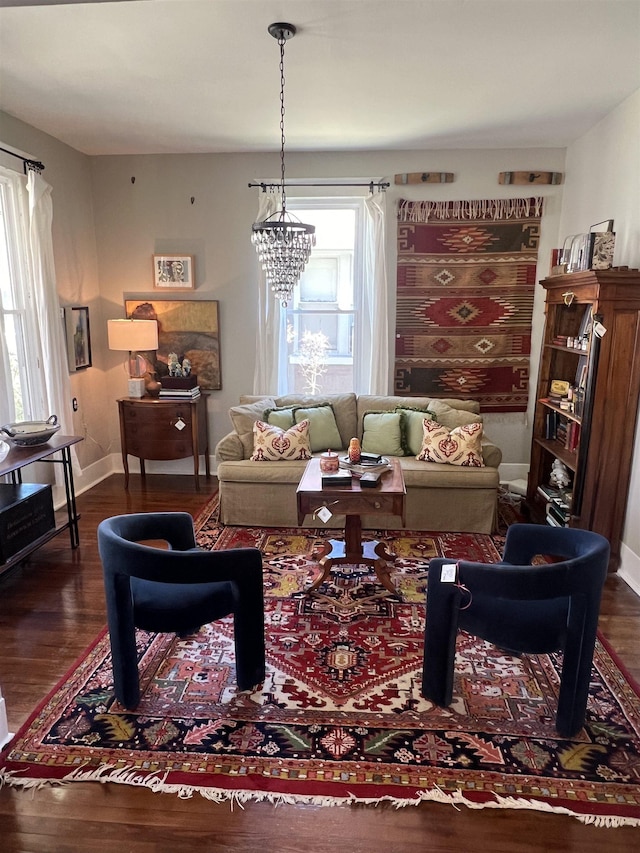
x=188, y=328
x=78, y=335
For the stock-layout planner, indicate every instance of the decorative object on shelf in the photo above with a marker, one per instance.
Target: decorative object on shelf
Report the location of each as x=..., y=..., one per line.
x=283, y=242
x=135, y=337
x=603, y=245
x=530, y=177
x=174, y=272
x=559, y=475
x=466, y=273
x=76, y=322
x=31, y=433
x=188, y=328
x=424, y=178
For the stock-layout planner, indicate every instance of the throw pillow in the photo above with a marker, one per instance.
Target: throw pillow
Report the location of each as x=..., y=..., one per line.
x=243, y=418
x=460, y=446
x=323, y=430
x=282, y=418
x=412, y=428
x=272, y=444
x=382, y=433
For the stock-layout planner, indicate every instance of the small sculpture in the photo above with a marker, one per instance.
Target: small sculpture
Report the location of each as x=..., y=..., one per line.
x=186, y=367
x=173, y=364
x=559, y=475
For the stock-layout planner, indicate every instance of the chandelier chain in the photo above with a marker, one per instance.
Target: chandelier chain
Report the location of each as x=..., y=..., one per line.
x=281, y=41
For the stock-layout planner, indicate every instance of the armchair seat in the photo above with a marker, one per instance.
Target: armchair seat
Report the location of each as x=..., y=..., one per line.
x=523, y=608
x=176, y=590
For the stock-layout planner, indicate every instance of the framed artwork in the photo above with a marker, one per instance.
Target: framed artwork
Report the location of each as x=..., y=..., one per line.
x=188, y=328
x=174, y=272
x=78, y=333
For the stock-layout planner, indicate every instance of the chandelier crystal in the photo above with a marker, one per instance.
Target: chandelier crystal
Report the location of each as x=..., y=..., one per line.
x=282, y=242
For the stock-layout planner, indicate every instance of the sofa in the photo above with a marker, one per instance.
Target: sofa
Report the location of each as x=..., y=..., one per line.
x=440, y=497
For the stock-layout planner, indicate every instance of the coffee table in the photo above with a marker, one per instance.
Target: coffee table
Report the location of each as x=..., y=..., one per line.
x=386, y=498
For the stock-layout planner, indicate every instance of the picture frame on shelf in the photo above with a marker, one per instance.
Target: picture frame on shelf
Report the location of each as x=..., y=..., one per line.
x=78, y=336
x=174, y=272
x=188, y=328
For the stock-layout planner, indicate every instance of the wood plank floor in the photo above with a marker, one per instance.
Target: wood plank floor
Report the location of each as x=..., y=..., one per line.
x=52, y=606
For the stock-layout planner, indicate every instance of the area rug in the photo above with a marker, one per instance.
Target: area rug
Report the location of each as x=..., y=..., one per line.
x=339, y=718
x=466, y=273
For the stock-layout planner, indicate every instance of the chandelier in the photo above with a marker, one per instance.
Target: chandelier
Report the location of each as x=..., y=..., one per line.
x=282, y=242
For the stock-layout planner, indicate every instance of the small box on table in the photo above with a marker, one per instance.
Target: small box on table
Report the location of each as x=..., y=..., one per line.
x=179, y=383
x=26, y=513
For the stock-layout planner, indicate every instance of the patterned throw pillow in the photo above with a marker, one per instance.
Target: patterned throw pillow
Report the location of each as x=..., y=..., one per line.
x=460, y=446
x=272, y=444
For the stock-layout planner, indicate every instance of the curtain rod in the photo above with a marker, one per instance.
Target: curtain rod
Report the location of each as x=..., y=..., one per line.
x=27, y=162
x=381, y=185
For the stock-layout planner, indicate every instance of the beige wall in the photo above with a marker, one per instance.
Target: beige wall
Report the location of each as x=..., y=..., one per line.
x=603, y=182
x=155, y=214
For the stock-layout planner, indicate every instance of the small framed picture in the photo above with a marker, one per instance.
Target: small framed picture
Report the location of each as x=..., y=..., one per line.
x=78, y=337
x=174, y=272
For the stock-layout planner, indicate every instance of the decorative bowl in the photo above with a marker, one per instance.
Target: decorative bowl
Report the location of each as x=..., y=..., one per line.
x=4, y=450
x=31, y=433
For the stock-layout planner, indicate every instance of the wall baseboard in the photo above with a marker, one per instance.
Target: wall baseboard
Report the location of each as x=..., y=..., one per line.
x=629, y=568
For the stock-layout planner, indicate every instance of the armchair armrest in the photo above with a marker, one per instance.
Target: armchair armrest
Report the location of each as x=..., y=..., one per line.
x=230, y=448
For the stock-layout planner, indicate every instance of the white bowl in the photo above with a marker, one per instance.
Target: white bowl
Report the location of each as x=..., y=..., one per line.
x=31, y=433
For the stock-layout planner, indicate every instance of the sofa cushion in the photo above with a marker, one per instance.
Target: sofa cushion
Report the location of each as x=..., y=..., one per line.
x=382, y=433
x=272, y=444
x=243, y=418
x=449, y=412
x=412, y=431
x=344, y=409
x=323, y=429
x=282, y=418
x=460, y=446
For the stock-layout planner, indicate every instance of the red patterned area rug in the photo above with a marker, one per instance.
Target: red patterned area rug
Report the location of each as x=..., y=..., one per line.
x=340, y=718
x=465, y=286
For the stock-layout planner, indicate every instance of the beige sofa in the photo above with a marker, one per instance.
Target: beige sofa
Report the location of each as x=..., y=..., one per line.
x=440, y=497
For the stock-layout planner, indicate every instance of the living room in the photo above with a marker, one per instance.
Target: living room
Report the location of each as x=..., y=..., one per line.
x=114, y=211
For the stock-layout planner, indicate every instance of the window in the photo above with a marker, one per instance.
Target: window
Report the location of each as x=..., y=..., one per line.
x=321, y=321
x=16, y=322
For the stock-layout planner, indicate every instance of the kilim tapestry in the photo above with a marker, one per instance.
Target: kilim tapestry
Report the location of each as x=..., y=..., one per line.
x=465, y=284
x=339, y=718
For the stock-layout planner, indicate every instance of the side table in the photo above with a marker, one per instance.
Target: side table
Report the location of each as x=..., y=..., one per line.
x=169, y=428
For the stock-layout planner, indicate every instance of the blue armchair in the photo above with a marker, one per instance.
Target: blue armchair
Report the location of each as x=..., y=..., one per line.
x=176, y=590
x=521, y=607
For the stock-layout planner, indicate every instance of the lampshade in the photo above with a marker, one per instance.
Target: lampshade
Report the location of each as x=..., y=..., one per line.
x=133, y=335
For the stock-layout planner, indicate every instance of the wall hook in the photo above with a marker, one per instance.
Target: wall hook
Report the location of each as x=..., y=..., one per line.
x=133, y=180
x=193, y=198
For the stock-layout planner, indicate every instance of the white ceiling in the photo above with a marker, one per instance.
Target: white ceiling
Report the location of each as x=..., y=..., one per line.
x=160, y=76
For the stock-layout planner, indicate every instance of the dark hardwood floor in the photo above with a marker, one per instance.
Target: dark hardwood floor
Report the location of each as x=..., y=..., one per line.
x=52, y=606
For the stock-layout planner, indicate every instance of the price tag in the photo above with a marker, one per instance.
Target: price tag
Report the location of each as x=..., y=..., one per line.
x=448, y=573
x=180, y=424
x=324, y=514
x=599, y=329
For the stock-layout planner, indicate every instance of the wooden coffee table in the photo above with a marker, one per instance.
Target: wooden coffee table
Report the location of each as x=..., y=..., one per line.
x=387, y=498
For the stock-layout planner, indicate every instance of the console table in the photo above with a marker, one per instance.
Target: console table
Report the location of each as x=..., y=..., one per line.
x=17, y=459
x=169, y=428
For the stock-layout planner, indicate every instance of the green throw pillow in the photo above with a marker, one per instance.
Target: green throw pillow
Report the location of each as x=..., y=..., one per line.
x=412, y=429
x=282, y=418
x=382, y=433
x=323, y=430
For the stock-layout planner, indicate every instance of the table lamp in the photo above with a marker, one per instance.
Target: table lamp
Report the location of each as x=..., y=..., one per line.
x=134, y=336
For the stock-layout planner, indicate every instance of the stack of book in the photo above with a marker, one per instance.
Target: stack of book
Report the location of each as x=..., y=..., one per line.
x=557, y=505
x=184, y=387
x=368, y=462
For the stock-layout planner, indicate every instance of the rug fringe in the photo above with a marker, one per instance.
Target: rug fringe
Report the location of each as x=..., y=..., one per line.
x=158, y=784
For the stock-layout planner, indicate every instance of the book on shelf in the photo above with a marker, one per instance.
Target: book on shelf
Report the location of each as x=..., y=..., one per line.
x=558, y=515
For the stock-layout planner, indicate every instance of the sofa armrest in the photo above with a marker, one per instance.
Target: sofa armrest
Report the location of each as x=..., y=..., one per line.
x=491, y=454
x=230, y=448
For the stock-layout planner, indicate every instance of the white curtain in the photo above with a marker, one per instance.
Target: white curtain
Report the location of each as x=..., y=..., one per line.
x=52, y=389
x=371, y=359
x=270, y=375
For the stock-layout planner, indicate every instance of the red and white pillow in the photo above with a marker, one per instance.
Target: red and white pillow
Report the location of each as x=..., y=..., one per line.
x=459, y=446
x=274, y=444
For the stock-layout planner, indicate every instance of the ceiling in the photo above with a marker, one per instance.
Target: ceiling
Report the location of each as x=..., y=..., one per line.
x=168, y=76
